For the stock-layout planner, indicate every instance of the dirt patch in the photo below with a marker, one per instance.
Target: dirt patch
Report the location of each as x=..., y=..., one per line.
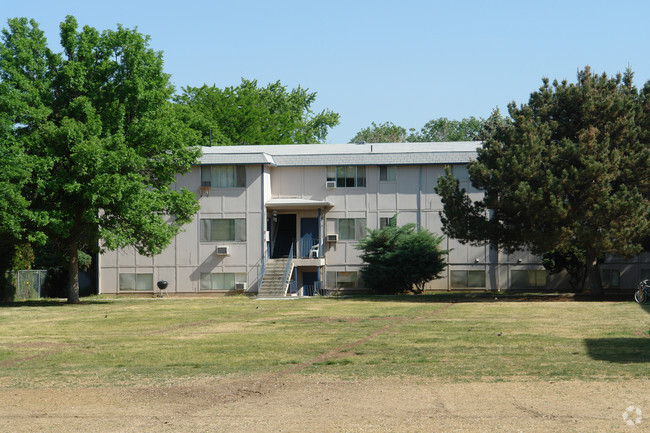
x=299, y=403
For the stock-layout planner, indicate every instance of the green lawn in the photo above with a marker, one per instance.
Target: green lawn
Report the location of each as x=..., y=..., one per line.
x=121, y=341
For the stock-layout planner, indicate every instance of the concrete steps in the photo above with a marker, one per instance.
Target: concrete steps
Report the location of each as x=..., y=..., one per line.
x=272, y=286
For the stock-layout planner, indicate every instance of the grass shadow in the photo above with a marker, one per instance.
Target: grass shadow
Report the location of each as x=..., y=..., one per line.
x=51, y=303
x=619, y=350
x=442, y=297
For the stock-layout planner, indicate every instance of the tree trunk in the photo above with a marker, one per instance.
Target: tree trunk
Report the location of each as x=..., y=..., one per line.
x=73, y=273
x=593, y=283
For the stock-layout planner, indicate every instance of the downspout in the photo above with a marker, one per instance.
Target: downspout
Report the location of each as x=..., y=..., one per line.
x=419, y=215
x=320, y=244
x=263, y=221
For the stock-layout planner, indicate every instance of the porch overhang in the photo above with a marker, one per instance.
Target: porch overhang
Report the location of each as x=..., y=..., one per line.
x=297, y=203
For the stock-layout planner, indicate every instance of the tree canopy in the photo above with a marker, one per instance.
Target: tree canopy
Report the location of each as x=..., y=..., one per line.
x=436, y=130
x=386, y=132
x=567, y=178
x=401, y=259
x=100, y=138
x=248, y=114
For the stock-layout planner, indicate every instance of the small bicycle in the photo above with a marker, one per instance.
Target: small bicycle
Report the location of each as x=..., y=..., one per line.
x=642, y=295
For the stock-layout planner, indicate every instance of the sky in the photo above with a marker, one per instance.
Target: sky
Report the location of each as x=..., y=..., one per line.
x=404, y=62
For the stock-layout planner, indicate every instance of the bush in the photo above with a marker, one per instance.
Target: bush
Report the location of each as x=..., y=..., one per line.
x=401, y=259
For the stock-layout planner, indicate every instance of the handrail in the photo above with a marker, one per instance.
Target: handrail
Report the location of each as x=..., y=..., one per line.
x=287, y=269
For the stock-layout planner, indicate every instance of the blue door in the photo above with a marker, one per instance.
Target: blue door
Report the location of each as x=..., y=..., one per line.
x=308, y=235
x=309, y=283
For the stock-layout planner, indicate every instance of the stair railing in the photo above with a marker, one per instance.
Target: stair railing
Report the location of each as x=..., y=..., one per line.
x=287, y=270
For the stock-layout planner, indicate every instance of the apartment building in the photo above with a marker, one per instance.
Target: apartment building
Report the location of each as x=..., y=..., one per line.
x=284, y=220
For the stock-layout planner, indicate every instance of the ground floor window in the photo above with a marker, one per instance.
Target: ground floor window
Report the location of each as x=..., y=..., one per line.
x=465, y=279
x=347, y=279
x=136, y=282
x=611, y=278
x=527, y=279
x=222, y=281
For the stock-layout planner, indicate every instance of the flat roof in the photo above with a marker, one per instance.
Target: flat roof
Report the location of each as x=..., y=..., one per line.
x=287, y=155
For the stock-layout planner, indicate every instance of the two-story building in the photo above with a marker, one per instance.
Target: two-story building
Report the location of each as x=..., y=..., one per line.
x=292, y=214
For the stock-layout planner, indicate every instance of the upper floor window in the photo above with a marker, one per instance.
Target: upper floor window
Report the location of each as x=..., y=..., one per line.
x=225, y=229
x=387, y=173
x=223, y=176
x=460, y=172
x=347, y=175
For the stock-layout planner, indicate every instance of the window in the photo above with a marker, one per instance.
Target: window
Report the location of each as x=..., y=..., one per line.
x=223, y=176
x=221, y=281
x=387, y=173
x=460, y=172
x=136, y=282
x=527, y=279
x=467, y=279
x=347, y=176
x=227, y=229
x=342, y=279
x=384, y=222
x=611, y=278
x=351, y=228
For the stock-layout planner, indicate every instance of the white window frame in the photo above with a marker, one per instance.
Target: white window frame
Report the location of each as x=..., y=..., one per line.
x=360, y=225
x=209, y=279
x=139, y=280
x=387, y=173
x=207, y=230
x=347, y=176
x=453, y=282
x=223, y=176
x=536, y=278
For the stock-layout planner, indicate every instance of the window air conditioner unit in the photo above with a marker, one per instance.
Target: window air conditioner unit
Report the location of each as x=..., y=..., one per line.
x=223, y=251
x=332, y=238
x=330, y=184
x=240, y=286
x=206, y=184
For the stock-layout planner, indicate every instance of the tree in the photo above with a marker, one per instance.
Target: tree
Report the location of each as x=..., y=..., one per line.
x=567, y=178
x=443, y=129
x=105, y=139
x=386, y=132
x=401, y=259
x=248, y=114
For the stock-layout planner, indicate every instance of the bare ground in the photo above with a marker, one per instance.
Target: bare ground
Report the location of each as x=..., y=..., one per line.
x=298, y=403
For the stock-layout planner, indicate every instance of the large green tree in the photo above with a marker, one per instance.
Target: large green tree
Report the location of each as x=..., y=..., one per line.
x=567, y=178
x=248, y=114
x=401, y=259
x=443, y=129
x=105, y=140
x=386, y=132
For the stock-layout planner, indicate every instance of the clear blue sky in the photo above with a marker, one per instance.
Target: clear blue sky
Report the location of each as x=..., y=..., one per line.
x=401, y=61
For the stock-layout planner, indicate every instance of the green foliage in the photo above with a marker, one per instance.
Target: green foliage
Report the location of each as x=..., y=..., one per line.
x=102, y=140
x=247, y=114
x=383, y=133
x=436, y=130
x=401, y=259
x=568, y=177
x=443, y=129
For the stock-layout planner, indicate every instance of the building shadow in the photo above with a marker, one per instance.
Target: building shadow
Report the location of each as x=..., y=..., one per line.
x=619, y=350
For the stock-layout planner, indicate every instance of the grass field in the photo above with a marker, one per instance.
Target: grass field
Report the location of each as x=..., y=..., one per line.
x=108, y=341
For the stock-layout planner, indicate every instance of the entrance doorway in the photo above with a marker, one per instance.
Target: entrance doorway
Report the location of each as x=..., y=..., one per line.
x=284, y=235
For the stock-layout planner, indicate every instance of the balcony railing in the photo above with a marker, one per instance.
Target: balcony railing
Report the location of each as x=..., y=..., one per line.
x=310, y=248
